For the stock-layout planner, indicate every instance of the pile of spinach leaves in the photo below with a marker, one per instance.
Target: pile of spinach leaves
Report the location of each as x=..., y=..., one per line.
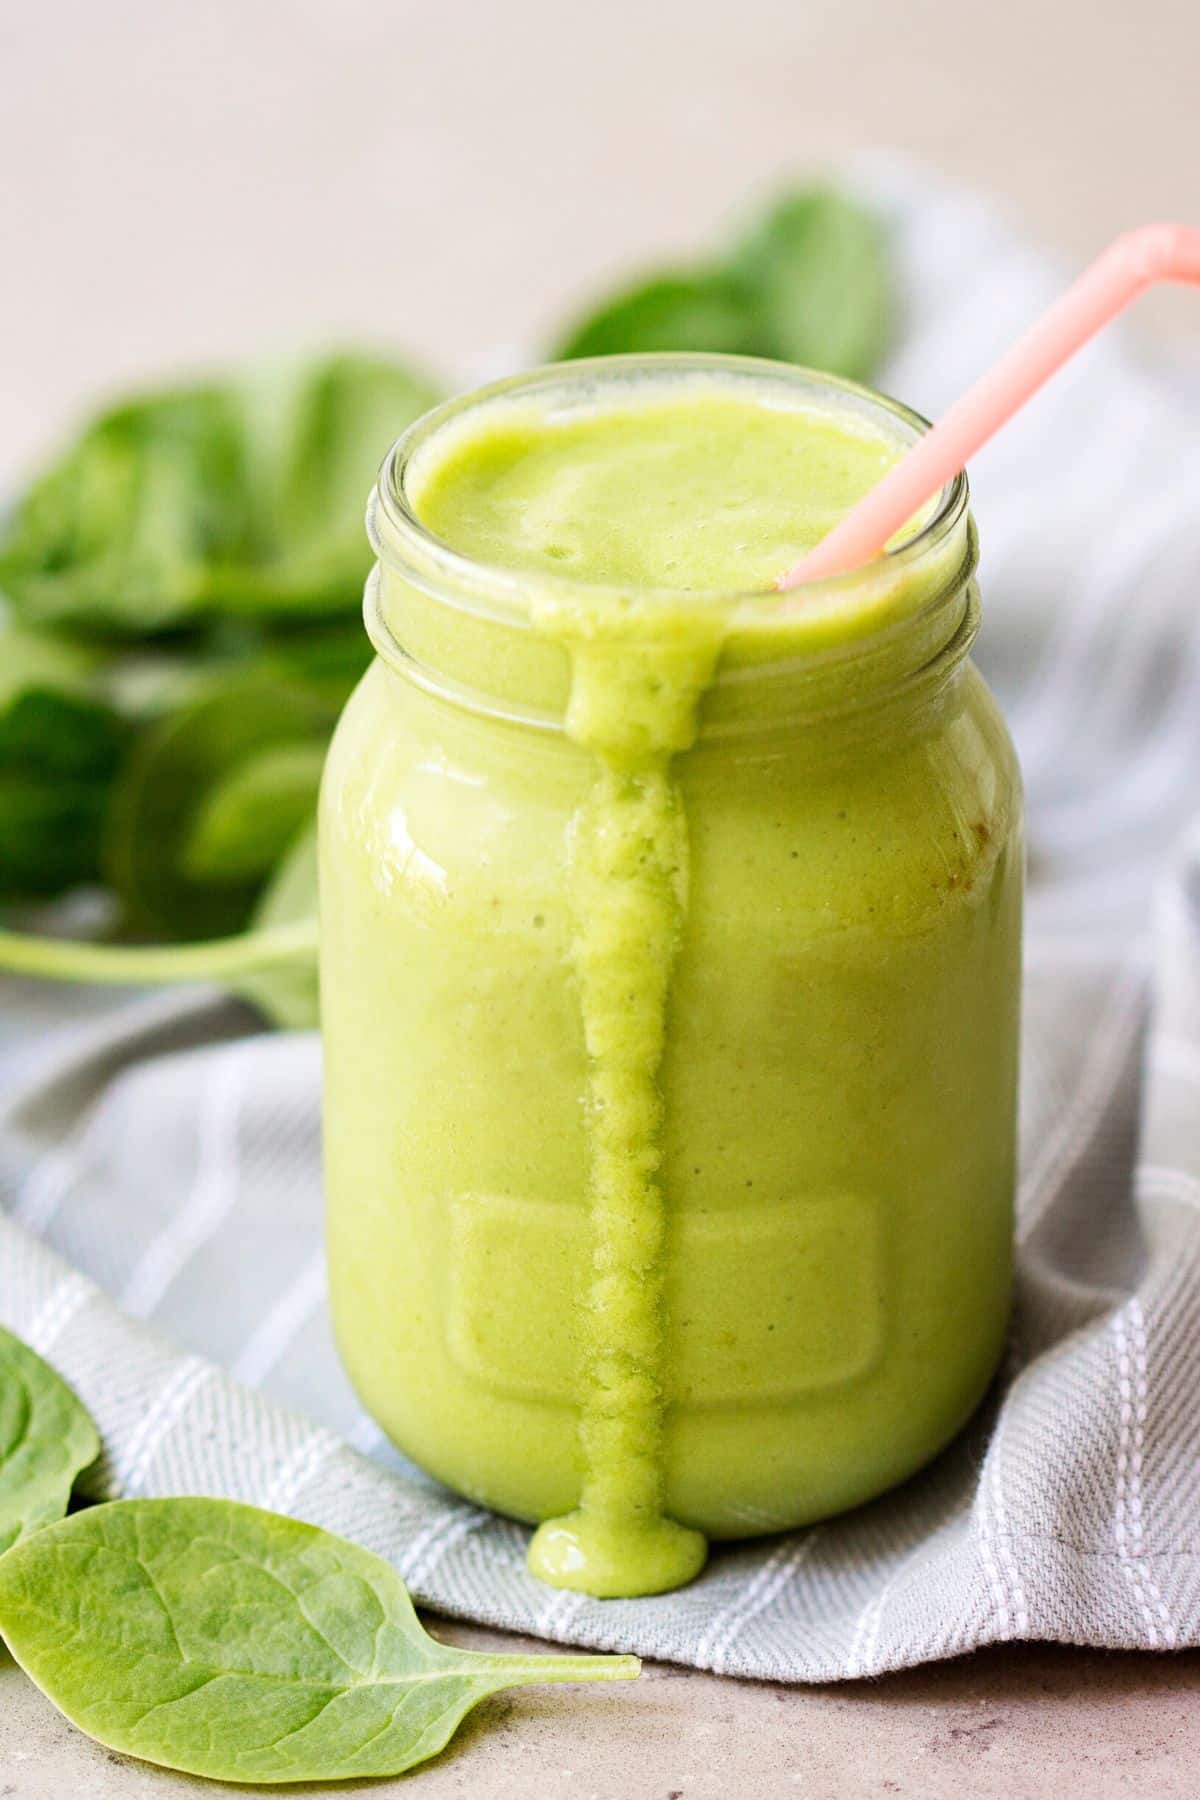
x=180, y=603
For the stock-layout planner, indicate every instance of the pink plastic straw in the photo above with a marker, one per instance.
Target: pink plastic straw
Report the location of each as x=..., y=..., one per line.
x=1126, y=269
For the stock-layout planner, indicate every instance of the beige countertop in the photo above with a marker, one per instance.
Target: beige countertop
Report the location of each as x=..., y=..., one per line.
x=188, y=183
x=1012, y=1724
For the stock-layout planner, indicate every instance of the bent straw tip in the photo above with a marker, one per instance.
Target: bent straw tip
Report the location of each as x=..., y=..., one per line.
x=1162, y=251
x=1131, y=263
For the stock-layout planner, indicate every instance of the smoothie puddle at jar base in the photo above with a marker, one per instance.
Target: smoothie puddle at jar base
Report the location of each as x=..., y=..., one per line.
x=697, y=493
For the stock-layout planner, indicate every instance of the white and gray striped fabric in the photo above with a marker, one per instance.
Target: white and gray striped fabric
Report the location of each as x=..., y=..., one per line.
x=162, y=1238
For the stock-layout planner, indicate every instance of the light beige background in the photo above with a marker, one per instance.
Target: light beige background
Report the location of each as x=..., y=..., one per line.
x=184, y=182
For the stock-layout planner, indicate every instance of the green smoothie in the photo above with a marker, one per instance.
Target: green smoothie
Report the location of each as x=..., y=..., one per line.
x=669, y=973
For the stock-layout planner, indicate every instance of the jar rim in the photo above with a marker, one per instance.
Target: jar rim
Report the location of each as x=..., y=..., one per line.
x=496, y=591
x=924, y=675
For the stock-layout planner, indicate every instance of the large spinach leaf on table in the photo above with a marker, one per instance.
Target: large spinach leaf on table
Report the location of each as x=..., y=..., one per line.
x=216, y=1638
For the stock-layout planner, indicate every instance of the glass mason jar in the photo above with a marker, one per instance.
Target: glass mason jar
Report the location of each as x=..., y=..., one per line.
x=834, y=1139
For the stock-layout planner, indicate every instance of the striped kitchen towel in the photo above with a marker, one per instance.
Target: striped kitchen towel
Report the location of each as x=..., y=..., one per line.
x=161, y=1239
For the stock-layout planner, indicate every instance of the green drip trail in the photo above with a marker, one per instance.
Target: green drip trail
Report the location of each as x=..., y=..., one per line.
x=628, y=881
x=685, y=493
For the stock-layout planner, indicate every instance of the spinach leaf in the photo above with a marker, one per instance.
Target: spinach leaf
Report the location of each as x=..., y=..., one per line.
x=50, y=834
x=46, y=1438
x=668, y=312
x=173, y=778
x=215, y=1638
x=347, y=410
x=328, y=657
x=314, y=435
x=807, y=283
x=286, y=990
x=117, y=534
x=817, y=267
x=241, y=498
x=249, y=817
x=39, y=661
x=60, y=744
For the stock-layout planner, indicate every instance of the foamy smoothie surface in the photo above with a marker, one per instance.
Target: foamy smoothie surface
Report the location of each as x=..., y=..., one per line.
x=702, y=489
